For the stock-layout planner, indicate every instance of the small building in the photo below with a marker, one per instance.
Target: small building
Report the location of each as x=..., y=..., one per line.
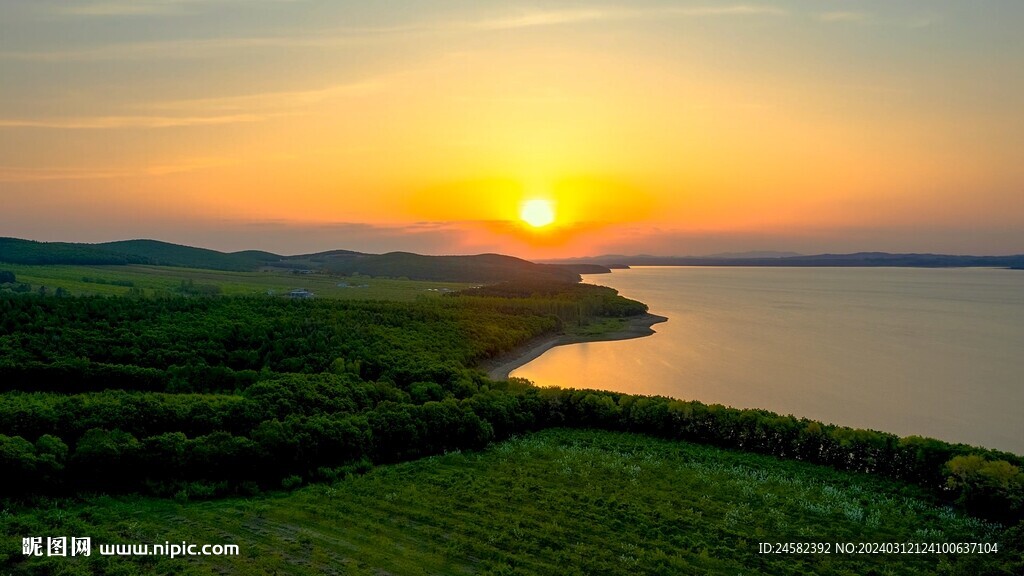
x=300, y=293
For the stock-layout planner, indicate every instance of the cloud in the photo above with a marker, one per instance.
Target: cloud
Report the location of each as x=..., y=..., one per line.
x=18, y=174
x=194, y=48
x=544, y=18
x=185, y=48
x=524, y=20
x=736, y=10
x=283, y=100
x=112, y=122
x=842, y=16
x=301, y=238
x=13, y=174
x=922, y=22
x=140, y=7
x=558, y=17
x=118, y=8
x=204, y=112
x=215, y=111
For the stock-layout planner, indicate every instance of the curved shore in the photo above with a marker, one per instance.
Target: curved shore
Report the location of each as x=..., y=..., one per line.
x=499, y=368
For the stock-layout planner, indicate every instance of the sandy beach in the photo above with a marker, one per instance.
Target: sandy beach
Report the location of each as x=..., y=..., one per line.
x=499, y=368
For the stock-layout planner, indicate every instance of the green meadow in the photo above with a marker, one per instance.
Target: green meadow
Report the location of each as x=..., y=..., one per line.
x=154, y=280
x=348, y=434
x=559, y=502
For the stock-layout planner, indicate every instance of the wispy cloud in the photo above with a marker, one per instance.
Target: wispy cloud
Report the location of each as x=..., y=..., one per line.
x=19, y=174
x=735, y=10
x=107, y=122
x=270, y=101
x=923, y=22
x=842, y=16
x=857, y=17
x=879, y=89
x=544, y=18
x=140, y=7
x=186, y=48
x=14, y=174
x=214, y=111
x=117, y=8
x=559, y=17
x=187, y=165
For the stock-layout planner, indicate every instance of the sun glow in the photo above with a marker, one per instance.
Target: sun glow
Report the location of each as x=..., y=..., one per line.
x=537, y=213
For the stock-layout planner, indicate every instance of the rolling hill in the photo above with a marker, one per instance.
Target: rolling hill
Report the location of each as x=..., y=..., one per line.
x=479, y=268
x=17, y=251
x=168, y=254
x=153, y=252
x=482, y=268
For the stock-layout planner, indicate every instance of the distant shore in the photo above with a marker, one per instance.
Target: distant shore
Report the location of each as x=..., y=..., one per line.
x=499, y=368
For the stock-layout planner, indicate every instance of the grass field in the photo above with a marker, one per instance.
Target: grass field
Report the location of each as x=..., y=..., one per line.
x=84, y=280
x=555, y=502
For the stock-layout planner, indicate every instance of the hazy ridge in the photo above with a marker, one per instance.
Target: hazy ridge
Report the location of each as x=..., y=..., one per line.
x=471, y=268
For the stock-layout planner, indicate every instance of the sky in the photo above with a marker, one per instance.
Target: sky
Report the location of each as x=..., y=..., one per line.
x=669, y=128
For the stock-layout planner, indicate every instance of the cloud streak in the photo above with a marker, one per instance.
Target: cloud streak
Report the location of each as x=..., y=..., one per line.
x=560, y=17
x=113, y=122
x=188, y=48
x=19, y=174
x=205, y=112
x=200, y=112
x=265, y=101
x=543, y=18
x=194, y=48
x=842, y=17
x=140, y=7
x=13, y=174
x=736, y=10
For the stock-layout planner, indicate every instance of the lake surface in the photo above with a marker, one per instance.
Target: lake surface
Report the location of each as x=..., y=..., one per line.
x=935, y=353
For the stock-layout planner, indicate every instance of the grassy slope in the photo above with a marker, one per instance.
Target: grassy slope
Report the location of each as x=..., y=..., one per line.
x=168, y=254
x=556, y=502
x=166, y=278
x=475, y=269
x=15, y=250
x=478, y=268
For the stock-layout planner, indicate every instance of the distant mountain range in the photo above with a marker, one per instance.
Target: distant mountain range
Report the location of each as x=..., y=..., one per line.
x=753, y=254
x=479, y=268
x=780, y=259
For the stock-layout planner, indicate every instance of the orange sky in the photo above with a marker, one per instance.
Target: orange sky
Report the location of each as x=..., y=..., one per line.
x=666, y=128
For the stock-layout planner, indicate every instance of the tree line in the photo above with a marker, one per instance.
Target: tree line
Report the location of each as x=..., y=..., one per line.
x=201, y=397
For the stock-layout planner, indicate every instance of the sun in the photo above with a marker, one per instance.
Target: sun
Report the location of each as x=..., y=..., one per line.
x=537, y=213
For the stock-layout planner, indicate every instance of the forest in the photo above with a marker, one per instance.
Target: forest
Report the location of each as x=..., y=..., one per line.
x=195, y=397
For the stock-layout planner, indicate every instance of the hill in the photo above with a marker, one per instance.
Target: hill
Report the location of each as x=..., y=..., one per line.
x=316, y=261
x=167, y=254
x=18, y=251
x=152, y=252
x=479, y=268
x=482, y=268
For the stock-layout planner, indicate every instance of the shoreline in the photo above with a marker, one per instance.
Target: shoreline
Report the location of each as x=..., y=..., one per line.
x=499, y=368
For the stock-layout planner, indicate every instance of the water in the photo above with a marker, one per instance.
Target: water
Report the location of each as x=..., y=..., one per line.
x=935, y=353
